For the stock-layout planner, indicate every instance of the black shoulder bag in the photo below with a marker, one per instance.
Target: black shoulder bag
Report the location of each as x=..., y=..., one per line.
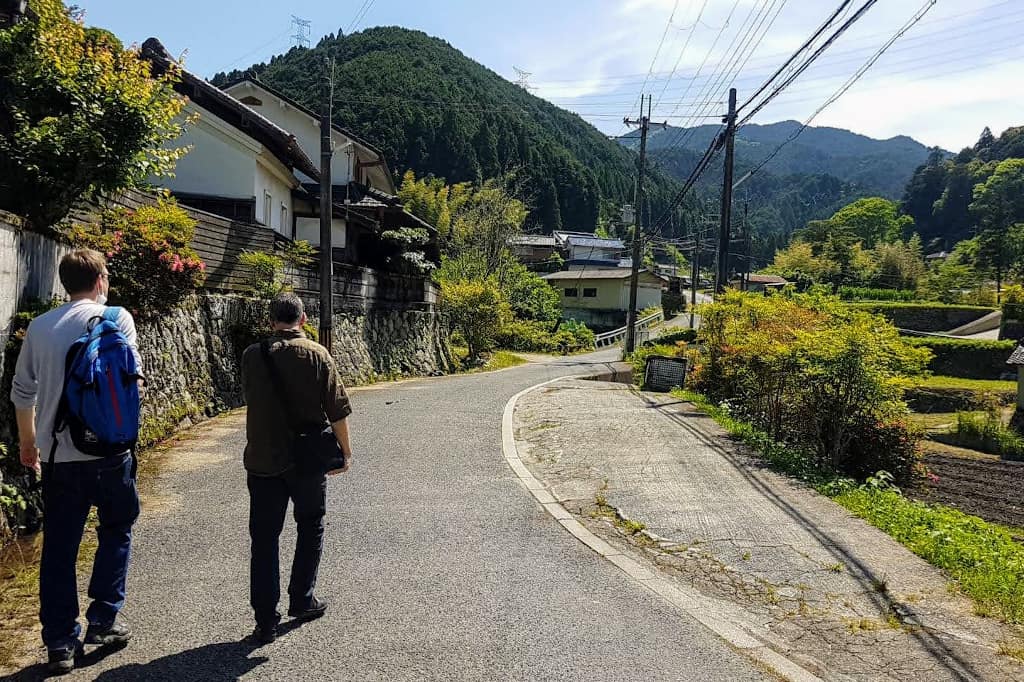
x=314, y=448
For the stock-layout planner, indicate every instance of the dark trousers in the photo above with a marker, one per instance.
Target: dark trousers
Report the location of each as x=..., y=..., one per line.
x=268, y=502
x=70, y=489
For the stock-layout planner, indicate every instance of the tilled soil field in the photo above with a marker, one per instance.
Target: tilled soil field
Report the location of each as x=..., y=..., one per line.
x=981, y=485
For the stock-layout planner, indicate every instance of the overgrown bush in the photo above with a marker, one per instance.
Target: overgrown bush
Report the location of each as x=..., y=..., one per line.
x=811, y=372
x=538, y=337
x=266, y=270
x=672, y=303
x=477, y=311
x=152, y=268
x=79, y=114
x=987, y=432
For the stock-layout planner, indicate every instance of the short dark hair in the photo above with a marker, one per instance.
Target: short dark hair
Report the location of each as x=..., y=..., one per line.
x=286, y=308
x=80, y=269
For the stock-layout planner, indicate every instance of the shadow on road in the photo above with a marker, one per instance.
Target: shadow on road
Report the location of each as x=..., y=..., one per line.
x=222, y=661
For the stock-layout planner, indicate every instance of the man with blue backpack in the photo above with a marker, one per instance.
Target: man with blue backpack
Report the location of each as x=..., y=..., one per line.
x=76, y=394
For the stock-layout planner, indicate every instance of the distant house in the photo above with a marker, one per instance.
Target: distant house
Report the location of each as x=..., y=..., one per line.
x=583, y=250
x=937, y=257
x=533, y=250
x=600, y=297
x=760, y=283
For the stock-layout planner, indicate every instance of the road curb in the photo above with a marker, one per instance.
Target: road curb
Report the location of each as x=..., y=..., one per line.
x=743, y=638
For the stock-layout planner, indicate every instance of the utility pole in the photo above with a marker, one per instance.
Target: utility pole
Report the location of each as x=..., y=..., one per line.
x=694, y=277
x=746, y=248
x=634, y=280
x=326, y=215
x=723, y=235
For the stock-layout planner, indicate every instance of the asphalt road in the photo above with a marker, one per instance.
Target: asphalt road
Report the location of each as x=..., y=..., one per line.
x=438, y=564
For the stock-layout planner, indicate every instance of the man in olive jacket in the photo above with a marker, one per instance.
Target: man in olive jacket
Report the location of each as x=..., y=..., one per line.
x=314, y=394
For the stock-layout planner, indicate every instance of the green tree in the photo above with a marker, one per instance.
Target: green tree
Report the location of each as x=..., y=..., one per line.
x=999, y=208
x=899, y=265
x=872, y=220
x=798, y=261
x=477, y=311
x=79, y=114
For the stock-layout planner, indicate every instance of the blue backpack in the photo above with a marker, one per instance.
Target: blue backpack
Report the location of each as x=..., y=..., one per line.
x=100, y=402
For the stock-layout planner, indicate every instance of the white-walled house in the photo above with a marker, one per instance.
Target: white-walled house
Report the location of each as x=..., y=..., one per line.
x=360, y=178
x=240, y=164
x=251, y=160
x=599, y=297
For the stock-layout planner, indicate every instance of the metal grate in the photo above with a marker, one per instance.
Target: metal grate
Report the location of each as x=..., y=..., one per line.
x=663, y=373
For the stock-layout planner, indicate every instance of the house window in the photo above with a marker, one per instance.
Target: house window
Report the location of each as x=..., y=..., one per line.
x=589, y=293
x=284, y=218
x=571, y=292
x=268, y=207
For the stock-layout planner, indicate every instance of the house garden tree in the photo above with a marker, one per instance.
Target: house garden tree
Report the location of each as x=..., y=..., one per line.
x=79, y=114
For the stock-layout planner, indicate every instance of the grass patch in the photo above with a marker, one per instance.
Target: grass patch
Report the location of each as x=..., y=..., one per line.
x=19, y=590
x=987, y=432
x=983, y=558
x=993, y=385
x=499, y=359
x=1012, y=650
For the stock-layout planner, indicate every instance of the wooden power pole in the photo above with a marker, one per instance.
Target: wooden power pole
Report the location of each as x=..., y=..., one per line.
x=326, y=216
x=726, y=217
x=634, y=280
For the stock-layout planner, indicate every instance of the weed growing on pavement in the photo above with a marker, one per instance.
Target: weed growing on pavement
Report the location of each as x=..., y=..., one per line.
x=1015, y=651
x=837, y=567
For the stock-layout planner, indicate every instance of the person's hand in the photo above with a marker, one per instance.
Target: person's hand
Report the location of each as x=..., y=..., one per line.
x=335, y=472
x=30, y=457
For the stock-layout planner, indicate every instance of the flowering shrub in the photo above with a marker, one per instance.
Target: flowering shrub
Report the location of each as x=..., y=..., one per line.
x=152, y=268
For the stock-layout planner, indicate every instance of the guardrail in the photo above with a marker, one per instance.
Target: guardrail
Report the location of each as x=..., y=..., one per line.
x=617, y=335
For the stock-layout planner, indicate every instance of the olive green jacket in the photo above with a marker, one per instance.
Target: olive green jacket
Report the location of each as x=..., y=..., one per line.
x=312, y=388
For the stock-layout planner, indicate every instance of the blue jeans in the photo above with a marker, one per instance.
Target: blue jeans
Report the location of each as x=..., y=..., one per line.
x=268, y=503
x=70, y=489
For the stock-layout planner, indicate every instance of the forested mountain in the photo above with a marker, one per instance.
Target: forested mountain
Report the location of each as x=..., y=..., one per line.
x=878, y=167
x=940, y=192
x=809, y=179
x=432, y=109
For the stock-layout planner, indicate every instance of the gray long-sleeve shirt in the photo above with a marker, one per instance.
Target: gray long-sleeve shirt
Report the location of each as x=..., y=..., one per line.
x=39, y=374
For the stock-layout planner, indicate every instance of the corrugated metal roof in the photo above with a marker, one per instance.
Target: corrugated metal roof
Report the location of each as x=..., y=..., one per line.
x=611, y=273
x=533, y=240
x=1017, y=356
x=595, y=242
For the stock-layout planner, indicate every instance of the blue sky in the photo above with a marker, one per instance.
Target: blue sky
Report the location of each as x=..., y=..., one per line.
x=953, y=73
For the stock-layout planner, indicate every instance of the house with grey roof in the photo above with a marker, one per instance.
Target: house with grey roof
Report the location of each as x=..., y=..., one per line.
x=599, y=297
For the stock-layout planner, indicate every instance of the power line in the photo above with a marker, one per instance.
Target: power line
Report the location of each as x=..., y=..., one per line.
x=844, y=87
x=682, y=52
x=360, y=14
x=810, y=60
x=810, y=41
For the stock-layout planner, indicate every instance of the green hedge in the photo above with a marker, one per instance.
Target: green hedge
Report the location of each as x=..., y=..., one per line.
x=868, y=294
x=928, y=400
x=686, y=335
x=967, y=358
x=926, y=317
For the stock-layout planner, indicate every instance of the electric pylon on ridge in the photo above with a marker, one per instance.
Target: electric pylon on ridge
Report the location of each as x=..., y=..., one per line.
x=301, y=36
